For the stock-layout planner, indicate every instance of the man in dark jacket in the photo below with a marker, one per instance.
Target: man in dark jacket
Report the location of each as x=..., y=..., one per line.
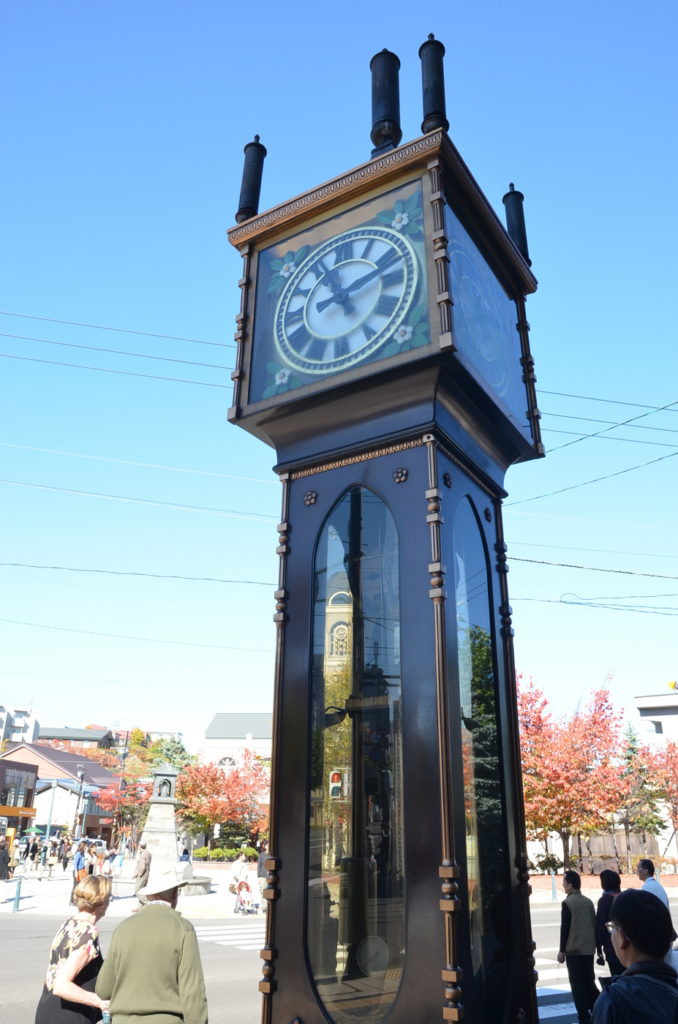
x=647, y=991
x=577, y=945
x=610, y=883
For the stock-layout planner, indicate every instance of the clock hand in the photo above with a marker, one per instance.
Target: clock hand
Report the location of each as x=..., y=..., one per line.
x=358, y=283
x=338, y=293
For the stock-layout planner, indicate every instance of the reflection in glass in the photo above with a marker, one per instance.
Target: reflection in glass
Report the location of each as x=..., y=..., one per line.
x=485, y=325
x=355, y=923
x=483, y=804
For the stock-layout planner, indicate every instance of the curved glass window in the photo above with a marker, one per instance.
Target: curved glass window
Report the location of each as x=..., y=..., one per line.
x=483, y=792
x=356, y=878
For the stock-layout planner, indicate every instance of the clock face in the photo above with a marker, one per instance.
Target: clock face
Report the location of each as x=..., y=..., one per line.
x=347, y=297
x=343, y=294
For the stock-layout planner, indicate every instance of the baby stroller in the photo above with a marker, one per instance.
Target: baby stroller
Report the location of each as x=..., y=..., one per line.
x=244, y=900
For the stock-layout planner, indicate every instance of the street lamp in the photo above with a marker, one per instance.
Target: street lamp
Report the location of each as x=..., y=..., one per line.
x=53, y=785
x=77, y=828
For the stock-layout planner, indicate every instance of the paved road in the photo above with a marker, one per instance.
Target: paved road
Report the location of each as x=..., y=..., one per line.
x=231, y=975
x=229, y=947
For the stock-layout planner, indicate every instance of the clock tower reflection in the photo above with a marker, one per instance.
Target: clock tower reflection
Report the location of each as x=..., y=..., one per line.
x=356, y=877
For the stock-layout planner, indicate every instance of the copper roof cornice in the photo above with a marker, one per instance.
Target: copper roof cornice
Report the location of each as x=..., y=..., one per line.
x=367, y=176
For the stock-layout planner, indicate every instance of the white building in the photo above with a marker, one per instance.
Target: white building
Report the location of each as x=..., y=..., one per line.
x=659, y=716
x=228, y=734
x=17, y=726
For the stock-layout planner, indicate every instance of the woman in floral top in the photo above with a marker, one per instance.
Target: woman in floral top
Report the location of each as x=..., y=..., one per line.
x=75, y=960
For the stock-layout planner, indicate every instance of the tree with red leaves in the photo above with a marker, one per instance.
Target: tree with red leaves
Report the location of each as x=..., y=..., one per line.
x=127, y=800
x=664, y=766
x=569, y=772
x=210, y=795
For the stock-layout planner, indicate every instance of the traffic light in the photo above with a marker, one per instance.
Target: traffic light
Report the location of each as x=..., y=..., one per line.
x=339, y=784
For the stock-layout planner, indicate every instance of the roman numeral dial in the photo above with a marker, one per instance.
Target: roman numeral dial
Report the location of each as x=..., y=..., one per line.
x=345, y=299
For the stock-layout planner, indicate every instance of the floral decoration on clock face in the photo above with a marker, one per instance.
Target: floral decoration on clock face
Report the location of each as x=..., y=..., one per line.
x=343, y=294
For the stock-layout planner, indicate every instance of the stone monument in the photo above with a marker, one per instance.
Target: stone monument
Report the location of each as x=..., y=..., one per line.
x=160, y=836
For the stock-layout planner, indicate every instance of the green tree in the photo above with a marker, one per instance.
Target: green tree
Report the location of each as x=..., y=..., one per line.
x=637, y=794
x=170, y=751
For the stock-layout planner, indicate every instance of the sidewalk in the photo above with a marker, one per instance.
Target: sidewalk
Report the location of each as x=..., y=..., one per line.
x=50, y=896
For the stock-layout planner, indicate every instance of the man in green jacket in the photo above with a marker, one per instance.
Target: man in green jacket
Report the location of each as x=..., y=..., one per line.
x=578, y=944
x=152, y=973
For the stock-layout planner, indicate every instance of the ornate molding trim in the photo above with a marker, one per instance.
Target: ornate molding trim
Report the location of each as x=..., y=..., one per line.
x=356, y=180
x=351, y=460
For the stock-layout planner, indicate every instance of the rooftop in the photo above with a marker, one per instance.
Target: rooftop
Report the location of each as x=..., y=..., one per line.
x=233, y=726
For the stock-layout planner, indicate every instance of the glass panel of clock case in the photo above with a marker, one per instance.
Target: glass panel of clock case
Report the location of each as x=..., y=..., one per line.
x=484, y=320
x=484, y=813
x=355, y=897
x=341, y=295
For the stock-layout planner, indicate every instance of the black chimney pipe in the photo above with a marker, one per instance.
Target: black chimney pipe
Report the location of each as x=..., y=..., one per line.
x=250, y=189
x=515, y=221
x=431, y=54
x=386, y=131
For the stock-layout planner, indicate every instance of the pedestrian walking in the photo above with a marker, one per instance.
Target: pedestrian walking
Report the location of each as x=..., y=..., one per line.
x=645, y=872
x=4, y=860
x=68, y=995
x=79, y=867
x=577, y=945
x=153, y=971
x=141, y=872
x=65, y=853
x=610, y=883
x=647, y=991
x=262, y=871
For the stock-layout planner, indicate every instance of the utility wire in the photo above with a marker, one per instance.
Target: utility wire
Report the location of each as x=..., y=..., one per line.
x=591, y=419
x=148, y=575
x=114, y=351
x=607, y=607
x=125, y=636
x=608, y=437
x=144, y=501
x=103, y=369
x=623, y=423
x=119, y=330
x=596, y=480
x=596, y=551
x=143, y=465
x=607, y=401
x=593, y=568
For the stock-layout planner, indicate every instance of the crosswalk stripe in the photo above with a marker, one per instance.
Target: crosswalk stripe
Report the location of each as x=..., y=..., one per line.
x=556, y=1010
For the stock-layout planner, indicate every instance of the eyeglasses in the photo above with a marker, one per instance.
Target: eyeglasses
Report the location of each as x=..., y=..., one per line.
x=611, y=926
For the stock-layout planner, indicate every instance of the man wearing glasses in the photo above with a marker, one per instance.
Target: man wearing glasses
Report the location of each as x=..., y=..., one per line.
x=647, y=991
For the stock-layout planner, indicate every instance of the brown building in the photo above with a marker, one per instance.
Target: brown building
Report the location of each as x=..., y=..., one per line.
x=17, y=789
x=79, y=777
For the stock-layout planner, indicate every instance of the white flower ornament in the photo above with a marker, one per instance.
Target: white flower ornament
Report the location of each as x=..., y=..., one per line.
x=282, y=377
x=399, y=221
x=286, y=269
x=403, y=334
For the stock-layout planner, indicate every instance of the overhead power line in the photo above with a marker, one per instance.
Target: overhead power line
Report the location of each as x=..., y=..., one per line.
x=104, y=369
x=114, y=351
x=608, y=437
x=142, y=639
x=143, y=501
x=639, y=610
x=606, y=401
x=143, y=465
x=596, y=480
x=592, y=419
x=593, y=568
x=119, y=330
x=614, y=426
x=148, y=575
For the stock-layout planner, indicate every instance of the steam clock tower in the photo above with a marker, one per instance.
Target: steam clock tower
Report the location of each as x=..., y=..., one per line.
x=383, y=353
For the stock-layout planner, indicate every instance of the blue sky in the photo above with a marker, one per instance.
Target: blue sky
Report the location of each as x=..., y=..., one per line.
x=123, y=133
